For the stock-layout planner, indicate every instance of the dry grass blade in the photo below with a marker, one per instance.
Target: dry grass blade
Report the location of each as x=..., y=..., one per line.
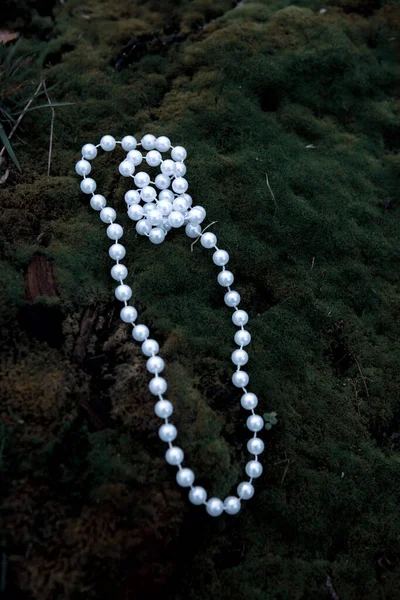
x=51, y=127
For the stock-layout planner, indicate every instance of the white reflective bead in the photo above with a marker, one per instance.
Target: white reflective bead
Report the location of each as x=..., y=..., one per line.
x=174, y=456
x=197, y=495
x=239, y=357
x=166, y=195
x=240, y=317
x=249, y=400
x=176, y=219
x=188, y=199
x=107, y=214
x=180, y=185
x=197, y=215
x=126, y=168
x=166, y=226
x=180, y=204
x=240, y=379
x=245, y=490
x=83, y=167
x=164, y=206
x=155, y=364
x=254, y=469
x=135, y=212
x=255, y=423
x=119, y=272
x=128, y=143
x=88, y=185
x=214, y=507
x=168, y=167
x=115, y=231
x=192, y=231
x=97, y=202
x=255, y=446
x=148, y=141
x=208, y=240
x=180, y=169
x=117, y=252
x=232, y=505
x=178, y=153
x=162, y=181
x=157, y=235
x=232, y=298
x=158, y=385
x=108, y=143
x=148, y=194
x=135, y=156
x=242, y=337
x=141, y=179
x=140, y=333
x=123, y=292
x=225, y=278
x=163, y=409
x=132, y=197
x=89, y=151
x=143, y=227
x=163, y=143
x=220, y=258
x=167, y=432
x=153, y=158
x=185, y=477
x=154, y=216
x=128, y=314
x=150, y=347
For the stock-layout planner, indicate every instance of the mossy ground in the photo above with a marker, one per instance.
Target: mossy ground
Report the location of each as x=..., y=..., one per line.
x=307, y=98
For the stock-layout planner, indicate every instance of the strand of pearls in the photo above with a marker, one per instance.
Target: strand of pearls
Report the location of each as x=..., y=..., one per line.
x=158, y=214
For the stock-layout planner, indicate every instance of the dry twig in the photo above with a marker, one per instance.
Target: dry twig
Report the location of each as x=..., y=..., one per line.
x=51, y=127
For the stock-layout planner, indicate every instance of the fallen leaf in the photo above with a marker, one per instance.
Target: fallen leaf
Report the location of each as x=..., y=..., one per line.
x=8, y=36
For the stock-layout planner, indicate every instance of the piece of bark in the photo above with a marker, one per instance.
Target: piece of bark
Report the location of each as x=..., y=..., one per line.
x=39, y=279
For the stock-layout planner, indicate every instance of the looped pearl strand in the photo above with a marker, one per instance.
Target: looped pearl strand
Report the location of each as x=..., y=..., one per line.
x=162, y=210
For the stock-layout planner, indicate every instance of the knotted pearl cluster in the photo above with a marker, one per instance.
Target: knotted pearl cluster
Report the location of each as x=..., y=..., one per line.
x=158, y=214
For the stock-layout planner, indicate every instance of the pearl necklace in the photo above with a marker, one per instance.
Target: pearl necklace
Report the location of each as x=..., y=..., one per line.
x=157, y=216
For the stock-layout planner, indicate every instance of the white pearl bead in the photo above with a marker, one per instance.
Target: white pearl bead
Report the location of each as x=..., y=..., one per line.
x=245, y=490
x=157, y=235
x=128, y=314
x=167, y=432
x=180, y=204
x=166, y=226
x=148, y=207
x=249, y=400
x=168, y=167
x=83, y=167
x=150, y=347
x=165, y=207
x=141, y=179
x=242, y=337
x=225, y=278
x=119, y=272
x=254, y=469
x=166, y=195
x=255, y=446
x=180, y=185
x=208, y=240
x=88, y=185
x=163, y=409
x=192, y=231
x=174, y=456
x=132, y=197
x=140, y=333
x=117, y=252
x=123, y=292
x=176, y=219
x=197, y=215
x=185, y=477
x=128, y=143
x=155, y=364
x=214, y=507
x=158, y=385
x=162, y=181
x=89, y=151
x=240, y=357
x=155, y=217
x=126, y=168
x=108, y=143
x=115, y=231
x=135, y=212
x=163, y=143
x=240, y=317
x=180, y=169
x=220, y=258
x=232, y=298
x=153, y=158
x=135, y=156
x=97, y=202
x=232, y=505
x=148, y=194
x=197, y=495
x=240, y=379
x=148, y=141
x=143, y=227
x=178, y=153
x=107, y=214
x=255, y=423
x=188, y=199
